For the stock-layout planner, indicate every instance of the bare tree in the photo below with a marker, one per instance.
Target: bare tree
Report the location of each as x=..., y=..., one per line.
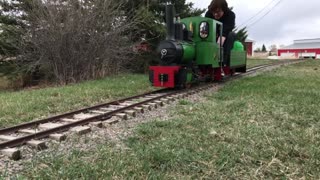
x=75, y=40
x=273, y=48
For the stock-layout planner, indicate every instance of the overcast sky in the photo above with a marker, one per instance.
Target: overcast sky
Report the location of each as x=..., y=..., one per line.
x=287, y=21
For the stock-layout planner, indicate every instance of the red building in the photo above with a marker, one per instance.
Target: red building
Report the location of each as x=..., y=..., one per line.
x=249, y=46
x=303, y=48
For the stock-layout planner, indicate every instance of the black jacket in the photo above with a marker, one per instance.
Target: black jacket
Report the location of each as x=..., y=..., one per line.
x=228, y=20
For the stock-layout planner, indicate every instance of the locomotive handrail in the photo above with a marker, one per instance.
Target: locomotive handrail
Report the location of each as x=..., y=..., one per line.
x=221, y=46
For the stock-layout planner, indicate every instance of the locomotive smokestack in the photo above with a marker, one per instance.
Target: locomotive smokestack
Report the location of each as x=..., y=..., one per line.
x=170, y=14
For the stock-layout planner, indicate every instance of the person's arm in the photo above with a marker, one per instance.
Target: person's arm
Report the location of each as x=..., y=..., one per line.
x=222, y=40
x=228, y=26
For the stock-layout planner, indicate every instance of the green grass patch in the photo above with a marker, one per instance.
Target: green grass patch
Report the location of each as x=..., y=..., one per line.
x=27, y=105
x=264, y=127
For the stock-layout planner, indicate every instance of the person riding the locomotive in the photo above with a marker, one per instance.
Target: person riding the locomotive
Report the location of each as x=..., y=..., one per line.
x=219, y=10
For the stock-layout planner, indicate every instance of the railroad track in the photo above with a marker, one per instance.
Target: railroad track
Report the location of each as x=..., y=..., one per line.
x=82, y=120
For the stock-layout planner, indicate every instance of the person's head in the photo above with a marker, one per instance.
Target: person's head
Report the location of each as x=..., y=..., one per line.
x=218, y=8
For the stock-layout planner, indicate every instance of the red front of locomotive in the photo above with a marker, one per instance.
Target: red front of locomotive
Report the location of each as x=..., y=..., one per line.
x=163, y=76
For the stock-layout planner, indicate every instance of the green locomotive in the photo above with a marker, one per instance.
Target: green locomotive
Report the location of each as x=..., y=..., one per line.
x=191, y=54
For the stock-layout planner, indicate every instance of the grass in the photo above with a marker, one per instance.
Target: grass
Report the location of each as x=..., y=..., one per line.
x=256, y=62
x=263, y=127
x=27, y=105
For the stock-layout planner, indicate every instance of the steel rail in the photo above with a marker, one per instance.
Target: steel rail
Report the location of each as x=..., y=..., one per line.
x=107, y=115
x=55, y=118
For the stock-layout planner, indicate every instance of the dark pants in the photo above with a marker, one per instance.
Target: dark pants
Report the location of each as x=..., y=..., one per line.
x=227, y=47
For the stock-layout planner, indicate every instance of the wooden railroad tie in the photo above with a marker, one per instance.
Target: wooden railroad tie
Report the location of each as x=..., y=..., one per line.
x=12, y=153
x=80, y=130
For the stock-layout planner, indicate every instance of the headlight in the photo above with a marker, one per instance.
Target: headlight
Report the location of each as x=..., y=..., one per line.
x=204, y=30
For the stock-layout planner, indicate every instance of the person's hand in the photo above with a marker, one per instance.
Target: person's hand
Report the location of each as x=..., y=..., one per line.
x=222, y=39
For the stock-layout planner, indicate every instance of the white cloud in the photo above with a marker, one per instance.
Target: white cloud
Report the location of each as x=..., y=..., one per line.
x=290, y=20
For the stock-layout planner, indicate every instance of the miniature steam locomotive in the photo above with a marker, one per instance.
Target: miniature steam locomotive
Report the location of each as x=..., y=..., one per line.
x=191, y=54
